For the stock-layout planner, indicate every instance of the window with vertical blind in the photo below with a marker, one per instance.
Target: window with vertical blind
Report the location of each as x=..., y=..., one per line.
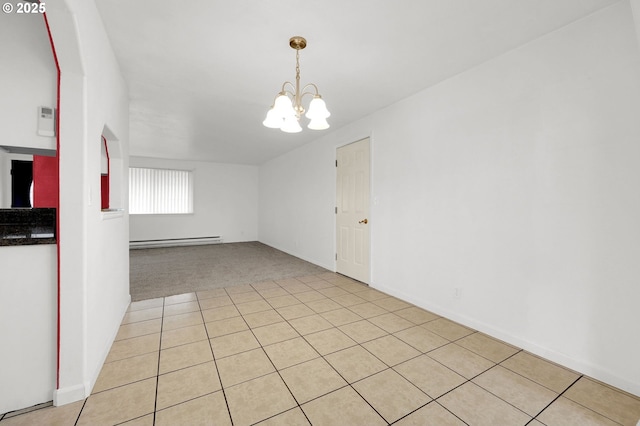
x=160, y=191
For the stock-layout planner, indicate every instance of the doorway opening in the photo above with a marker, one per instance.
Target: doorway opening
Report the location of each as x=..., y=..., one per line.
x=21, y=183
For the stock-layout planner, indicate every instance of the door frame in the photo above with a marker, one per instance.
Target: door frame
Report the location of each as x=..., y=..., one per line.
x=371, y=204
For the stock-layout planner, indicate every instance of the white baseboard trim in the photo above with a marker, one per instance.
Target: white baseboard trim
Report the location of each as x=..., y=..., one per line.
x=175, y=242
x=70, y=394
x=581, y=367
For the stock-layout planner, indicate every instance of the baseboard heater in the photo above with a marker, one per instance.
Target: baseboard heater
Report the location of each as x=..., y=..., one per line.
x=174, y=242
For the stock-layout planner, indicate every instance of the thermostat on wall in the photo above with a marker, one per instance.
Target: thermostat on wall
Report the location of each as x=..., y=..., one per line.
x=46, y=121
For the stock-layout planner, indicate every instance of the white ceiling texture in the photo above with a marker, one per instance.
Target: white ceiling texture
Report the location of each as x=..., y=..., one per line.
x=202, y=73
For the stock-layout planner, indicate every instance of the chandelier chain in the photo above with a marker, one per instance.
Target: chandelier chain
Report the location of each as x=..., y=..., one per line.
x=297, y=101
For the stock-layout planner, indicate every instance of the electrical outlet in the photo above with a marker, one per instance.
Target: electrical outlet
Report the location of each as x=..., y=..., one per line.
x=457, y=293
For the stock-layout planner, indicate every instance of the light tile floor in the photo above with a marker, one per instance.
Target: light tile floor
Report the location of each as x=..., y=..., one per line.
x=323, y=350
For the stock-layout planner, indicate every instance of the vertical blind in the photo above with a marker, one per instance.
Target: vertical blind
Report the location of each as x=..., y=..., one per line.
x=160, y=191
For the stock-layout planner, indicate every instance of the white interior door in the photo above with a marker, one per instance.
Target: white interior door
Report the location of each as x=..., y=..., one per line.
x=352, y=213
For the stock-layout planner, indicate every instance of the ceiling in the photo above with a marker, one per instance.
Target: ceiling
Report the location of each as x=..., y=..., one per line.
x=202, y=73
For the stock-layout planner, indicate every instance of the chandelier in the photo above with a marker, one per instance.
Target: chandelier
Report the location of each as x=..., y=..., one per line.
x=287, y=108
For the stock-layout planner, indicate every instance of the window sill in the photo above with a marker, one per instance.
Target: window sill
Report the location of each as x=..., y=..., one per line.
x=108, y=214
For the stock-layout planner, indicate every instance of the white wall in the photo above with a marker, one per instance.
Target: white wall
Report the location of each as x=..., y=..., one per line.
x=28, y=79
x=27, y=326
x=515, y=182
x=297, y=199
x=225, y=203
x=27, y=294
x=94, y=255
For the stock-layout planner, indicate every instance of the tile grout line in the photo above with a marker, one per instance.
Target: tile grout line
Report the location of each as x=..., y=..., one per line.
x=433, y=401
x=479, y=374
x=348, y=384
x=234, y=303
x=81, y=410
x=449, y=368
x=302, y=336
x=583, y=406
x=500, y=398
x=530, y=379
x=451, y=412
x=141, y=335
x=372, y=354
x=155, y=401
x=495, y=364
x=269, y=358
x=555, y=399
x=368, y=403
x=497, y=396
x=286, y=321
x=461, y=384
x=224, y=394
x=337, y=372
x=323, y=357
x=299, y=336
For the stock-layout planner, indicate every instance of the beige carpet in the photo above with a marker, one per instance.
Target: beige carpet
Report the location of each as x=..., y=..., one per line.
x=161, y=272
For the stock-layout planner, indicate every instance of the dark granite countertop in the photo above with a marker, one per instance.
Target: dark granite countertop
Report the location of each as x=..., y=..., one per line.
x=20, y=227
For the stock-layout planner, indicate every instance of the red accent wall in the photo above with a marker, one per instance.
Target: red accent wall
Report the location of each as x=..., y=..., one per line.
x=104, y=179
x=104, y=183
x=45, y=181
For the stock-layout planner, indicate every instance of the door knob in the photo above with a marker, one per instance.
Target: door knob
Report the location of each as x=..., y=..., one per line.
x=365, y=221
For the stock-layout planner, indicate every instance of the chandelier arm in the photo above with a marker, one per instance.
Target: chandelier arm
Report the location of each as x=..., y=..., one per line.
x=309, y=93
x=286, y=92
x=310, y=85
x=284, y=85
